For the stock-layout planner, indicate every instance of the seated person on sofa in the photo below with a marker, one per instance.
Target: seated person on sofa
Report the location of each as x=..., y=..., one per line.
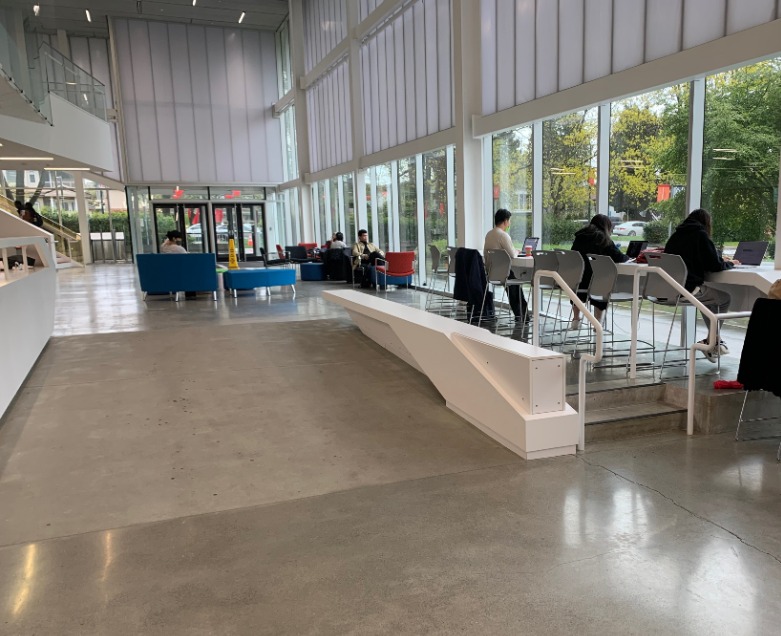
x=364, y=256
x=337, y=242
x=173, y=243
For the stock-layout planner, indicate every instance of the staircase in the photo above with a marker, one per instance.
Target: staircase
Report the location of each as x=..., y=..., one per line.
x=634, y=411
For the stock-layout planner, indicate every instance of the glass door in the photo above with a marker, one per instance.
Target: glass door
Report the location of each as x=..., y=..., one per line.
x=189, y=219
x=253, y=230
x=242, y=221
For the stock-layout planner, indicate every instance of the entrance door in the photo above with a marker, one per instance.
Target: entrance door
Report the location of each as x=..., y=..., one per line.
x=189, y=219
x=244, y=222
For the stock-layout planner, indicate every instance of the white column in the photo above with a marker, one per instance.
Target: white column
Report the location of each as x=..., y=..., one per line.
x=603, y=160
x=354, y=68
x=696, y=144
x=81, y=204
x=302, y=116
x=537, y=180
x=468, y=102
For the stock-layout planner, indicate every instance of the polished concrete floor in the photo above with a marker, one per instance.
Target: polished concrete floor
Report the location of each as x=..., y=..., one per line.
x=259, y=467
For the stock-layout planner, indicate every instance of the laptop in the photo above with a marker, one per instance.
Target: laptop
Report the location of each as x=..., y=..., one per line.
x=635, y=247
x=750, y=253
x=530, y=241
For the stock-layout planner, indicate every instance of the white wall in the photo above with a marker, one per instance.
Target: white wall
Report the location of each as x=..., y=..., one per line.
x=407, y=77
x=533, y=49
x=197, y=103
x=325, y=25
x=66, y=138
x=92, y=54
x=330, y=119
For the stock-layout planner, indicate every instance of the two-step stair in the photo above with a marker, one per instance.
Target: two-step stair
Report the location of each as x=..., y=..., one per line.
x=623, y=412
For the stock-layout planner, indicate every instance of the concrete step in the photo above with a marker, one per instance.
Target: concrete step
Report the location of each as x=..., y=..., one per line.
x=630, y=411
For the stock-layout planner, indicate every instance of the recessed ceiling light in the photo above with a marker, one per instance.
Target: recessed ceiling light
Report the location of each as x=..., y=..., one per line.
x=89, y=17
x=26, y=158
x=36, y=9
x=194, y=1
x=241, y=17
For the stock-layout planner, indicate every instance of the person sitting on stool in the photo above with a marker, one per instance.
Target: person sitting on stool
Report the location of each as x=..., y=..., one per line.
x=499, y=239
x=364, y=256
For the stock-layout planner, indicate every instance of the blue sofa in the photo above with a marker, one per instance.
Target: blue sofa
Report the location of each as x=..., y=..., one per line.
x=251, y=278
x=174, y=273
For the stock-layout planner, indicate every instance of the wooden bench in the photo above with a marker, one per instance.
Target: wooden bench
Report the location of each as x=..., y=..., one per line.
x=235, y=279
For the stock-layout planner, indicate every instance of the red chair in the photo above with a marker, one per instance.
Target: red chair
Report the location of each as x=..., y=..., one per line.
x=397, y=268
x=310, y=248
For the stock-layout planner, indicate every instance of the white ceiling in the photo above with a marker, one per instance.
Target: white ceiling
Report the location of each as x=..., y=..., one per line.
x=70, y=14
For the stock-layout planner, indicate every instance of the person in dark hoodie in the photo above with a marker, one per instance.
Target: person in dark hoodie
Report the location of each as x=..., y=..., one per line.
x=691, y=241
x=594, y=239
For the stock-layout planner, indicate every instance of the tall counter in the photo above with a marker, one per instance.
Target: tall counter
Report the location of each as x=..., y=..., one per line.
x=27, y=297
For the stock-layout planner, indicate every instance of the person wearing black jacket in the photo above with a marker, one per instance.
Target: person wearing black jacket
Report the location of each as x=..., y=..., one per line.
x=594, y=239
x=691, y=241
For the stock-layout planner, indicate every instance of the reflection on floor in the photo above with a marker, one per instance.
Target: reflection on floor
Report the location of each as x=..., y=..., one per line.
x=259, y=467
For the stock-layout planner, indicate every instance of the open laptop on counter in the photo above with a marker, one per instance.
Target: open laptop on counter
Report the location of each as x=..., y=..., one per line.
x=750, y=253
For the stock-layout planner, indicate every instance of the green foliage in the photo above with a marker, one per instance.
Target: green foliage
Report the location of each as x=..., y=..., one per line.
x=656, y=232
x=569, y=145
x=99, y=221
x=771, y=249
x=558, y=231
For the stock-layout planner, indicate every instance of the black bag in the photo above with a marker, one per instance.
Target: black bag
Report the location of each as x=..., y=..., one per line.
x=37, y=219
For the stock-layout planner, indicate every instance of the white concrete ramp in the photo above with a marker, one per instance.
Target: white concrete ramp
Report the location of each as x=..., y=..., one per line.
x=510, y=390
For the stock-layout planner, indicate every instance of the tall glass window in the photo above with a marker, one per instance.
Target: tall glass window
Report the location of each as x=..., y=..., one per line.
x=382, y=206
x=333, y=191
x=649, y=137
x=140, y=210
x=283, y=59
x=435, y=201
x=741, y=153
x=349, y=209
x=290, y=165
x=569, y=155
x=408, y=207
x=512, y=179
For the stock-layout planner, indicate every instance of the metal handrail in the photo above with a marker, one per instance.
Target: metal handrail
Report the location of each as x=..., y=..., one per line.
x=697, y=346
x=585, y=358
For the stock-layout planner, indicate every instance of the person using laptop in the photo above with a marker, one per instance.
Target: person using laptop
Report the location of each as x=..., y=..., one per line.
x=594, y=239
x=692, y=242
x=499, y=239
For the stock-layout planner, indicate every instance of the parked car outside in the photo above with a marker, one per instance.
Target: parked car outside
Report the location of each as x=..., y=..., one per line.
x=630, y=228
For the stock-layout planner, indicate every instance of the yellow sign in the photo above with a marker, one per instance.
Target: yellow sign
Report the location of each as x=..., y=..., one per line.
x=233, y=262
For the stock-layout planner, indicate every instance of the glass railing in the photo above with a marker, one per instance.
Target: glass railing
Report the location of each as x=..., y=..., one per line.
x=26, y=76
x=50, y=73
x=68, y=80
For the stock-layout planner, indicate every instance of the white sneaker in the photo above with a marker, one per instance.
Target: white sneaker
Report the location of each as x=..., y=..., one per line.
x=720, y=350
x=574, y=325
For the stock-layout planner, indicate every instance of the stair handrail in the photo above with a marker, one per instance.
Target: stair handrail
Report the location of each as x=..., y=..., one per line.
x=585, y=358
x=57, y=228
x=713, y=319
